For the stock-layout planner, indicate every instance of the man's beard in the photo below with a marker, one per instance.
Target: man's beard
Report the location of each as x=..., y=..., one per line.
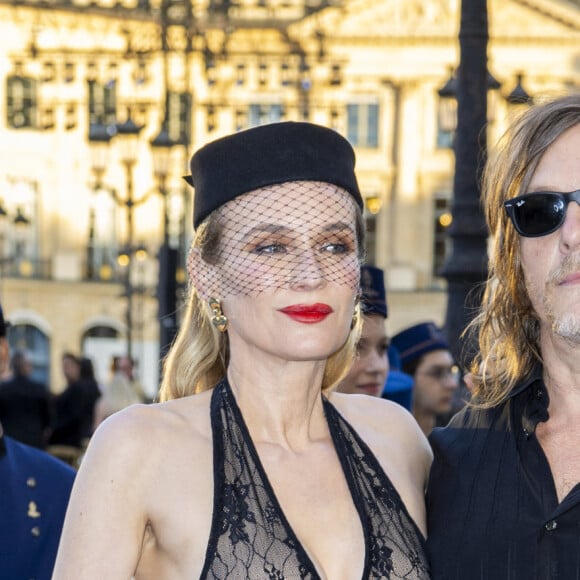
x=566, y=325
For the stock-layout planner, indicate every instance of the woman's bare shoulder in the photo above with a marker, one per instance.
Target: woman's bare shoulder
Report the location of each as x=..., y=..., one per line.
x=375, y=410
x=386, y=427
x=154, y=428
x=139, y=469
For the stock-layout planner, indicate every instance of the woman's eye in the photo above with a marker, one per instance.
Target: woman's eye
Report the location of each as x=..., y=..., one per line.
x=335, y=248
x=270, y=249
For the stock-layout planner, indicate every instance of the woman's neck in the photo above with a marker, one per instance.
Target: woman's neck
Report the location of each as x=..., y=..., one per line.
x=280, y=400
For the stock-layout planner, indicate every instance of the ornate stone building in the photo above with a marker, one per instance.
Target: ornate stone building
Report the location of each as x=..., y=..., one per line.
x=84, y=215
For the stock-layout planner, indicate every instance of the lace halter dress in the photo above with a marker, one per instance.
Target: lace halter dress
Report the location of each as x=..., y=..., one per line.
x=250, y=536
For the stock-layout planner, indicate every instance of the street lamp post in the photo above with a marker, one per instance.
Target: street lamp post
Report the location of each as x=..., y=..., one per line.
x=128, y=140
x=20, y=223
x=161, y=147
x=519, y=98
x=99, y=138
x=127, y=136
x=466, y=267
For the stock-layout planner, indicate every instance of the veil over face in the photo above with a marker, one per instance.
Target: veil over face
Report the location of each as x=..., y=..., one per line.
x=276, y=236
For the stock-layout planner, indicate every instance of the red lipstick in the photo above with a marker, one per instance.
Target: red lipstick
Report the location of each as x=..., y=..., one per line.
x=307, y=313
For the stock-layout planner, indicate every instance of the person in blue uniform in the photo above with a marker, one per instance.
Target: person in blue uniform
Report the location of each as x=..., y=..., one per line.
x=252, y=466
x=399, y=385
x=504, y=490
x=368, y=373
x=372, y=372
x=424, y=355
x=34, y=493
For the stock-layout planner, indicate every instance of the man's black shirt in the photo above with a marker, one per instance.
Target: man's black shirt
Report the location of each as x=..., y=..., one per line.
x=493, y=511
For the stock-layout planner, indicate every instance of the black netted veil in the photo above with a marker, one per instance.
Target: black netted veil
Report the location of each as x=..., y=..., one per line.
x=279, y=236
x=250, y=536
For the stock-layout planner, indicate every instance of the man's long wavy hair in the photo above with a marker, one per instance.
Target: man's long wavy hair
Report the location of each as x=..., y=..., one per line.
x=507, y=325
x=199, y=357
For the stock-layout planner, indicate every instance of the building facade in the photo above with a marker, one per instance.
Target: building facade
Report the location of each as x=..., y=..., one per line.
x=104, y=103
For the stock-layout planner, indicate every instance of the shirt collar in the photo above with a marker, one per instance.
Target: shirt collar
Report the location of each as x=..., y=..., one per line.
x=535, y=375
x=530, y=401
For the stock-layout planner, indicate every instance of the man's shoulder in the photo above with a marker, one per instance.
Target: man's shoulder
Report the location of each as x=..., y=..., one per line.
x=30, y=385
x=477, y=416
x=37, y=385
x=34, y=493
x=34, y=467
x=19, y=389
x=8, y=386
x=31, y=456
x=471, y=428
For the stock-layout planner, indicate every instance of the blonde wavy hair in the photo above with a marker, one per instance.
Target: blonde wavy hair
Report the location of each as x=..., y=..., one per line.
x=199, y=357
x=507, y=325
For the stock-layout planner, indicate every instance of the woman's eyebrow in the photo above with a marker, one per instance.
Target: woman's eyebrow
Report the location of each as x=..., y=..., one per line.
x=280, y=229
x=266, y=228
x=339, y=226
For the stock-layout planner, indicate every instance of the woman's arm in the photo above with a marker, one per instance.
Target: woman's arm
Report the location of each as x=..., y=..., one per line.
x=107, y=513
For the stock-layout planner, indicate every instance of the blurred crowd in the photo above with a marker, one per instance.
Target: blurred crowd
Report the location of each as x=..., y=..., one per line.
x=63, y=423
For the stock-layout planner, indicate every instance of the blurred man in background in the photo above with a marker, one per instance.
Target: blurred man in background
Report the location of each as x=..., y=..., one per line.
x=25, y=404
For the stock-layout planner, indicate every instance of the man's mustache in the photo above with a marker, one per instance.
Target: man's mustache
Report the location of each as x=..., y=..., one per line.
x=569, y=265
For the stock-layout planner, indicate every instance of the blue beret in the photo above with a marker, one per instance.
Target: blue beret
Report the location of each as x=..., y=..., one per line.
x=373, y=294
x=267, y=155
x=399, y=388
x=394, y=358
x=417, y=340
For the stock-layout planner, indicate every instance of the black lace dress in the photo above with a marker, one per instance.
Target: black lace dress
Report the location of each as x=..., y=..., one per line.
x=250, y=536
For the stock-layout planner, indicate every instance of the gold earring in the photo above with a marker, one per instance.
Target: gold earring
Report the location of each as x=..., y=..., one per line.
x=354, y=320
x=218, y=319
x=355, y=314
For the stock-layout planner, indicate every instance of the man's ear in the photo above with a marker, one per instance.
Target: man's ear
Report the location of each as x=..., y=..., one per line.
x=203, y=276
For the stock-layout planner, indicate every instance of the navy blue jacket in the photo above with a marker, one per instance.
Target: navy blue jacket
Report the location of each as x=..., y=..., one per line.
x=34, y=493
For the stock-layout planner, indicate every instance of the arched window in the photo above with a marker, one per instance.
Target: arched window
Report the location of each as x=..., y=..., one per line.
x=37, y=344
x=100, y=343
x=101, y=332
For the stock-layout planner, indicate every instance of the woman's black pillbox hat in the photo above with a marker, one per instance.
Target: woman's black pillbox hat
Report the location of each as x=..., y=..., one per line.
x=267, y=155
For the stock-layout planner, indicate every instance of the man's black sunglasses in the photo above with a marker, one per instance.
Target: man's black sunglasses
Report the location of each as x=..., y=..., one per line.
x=541, y=213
